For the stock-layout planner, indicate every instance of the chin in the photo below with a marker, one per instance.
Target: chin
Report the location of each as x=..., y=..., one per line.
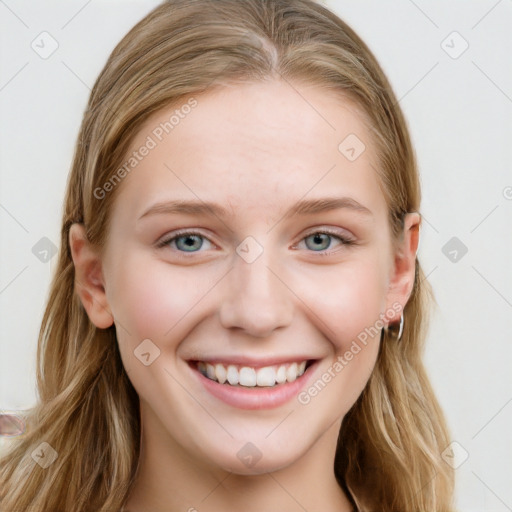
x=248, y=459
x=261, y=467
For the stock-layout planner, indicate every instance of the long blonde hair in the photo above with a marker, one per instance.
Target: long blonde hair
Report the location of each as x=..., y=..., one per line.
x=388, y=456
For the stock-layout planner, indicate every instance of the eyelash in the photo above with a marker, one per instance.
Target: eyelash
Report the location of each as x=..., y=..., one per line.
x=344, y=240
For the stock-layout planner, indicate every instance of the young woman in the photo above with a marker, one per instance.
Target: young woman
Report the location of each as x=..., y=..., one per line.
x=237, y=317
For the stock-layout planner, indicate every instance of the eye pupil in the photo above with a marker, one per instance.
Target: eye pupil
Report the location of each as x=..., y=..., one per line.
x=191, y=242
x=319, y=238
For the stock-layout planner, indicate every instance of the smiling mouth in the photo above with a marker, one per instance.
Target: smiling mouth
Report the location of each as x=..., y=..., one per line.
x=246, y=376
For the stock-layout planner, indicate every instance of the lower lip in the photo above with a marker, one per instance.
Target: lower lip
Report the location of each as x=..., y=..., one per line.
x=255, y=398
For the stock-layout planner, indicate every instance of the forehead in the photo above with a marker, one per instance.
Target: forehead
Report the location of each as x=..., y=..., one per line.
x=252, y=146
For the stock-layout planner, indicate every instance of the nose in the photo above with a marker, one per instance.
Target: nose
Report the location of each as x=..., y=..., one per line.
x=257, y=299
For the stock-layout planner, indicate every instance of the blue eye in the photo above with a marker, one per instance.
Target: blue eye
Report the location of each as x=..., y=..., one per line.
x=185, y=242
x=190, y=242
x=322, y=240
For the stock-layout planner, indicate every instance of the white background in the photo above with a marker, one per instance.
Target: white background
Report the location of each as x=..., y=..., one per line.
x=460, y=116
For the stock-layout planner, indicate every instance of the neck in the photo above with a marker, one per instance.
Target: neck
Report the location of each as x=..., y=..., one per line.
x=169, y=480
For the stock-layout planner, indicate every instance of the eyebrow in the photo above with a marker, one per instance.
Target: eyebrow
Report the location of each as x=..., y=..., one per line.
x=303, y=207
x=326, y=204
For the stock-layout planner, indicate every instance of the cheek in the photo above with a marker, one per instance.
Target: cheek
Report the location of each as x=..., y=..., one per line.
x=347, y=299
x=150, y=298
x=348, y=303
x=361, y=299
x=348, y=314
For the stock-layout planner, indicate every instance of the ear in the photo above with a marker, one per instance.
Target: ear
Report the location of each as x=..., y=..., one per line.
x=89, y=283
x=404, y=266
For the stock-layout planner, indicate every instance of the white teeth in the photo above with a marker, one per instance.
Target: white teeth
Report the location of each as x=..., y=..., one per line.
x=247, y=377
x=210, y=371
x=221, y=373
x=232, y=375
x=281, y=374
x=267, y=376
x=291, y=372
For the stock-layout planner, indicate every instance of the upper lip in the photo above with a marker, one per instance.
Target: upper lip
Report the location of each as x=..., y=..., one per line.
x=253, y=362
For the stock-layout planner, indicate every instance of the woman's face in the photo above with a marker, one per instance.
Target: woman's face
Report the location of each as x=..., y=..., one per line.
x=249, y=235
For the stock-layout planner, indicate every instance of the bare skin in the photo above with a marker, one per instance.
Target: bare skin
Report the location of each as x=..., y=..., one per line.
x=256, y=150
